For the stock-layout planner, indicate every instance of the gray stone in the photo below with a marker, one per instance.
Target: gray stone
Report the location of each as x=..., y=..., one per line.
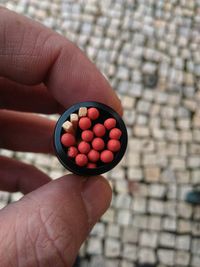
x=167, y=240
x=154, y=223
x=151, y=174
x=183, y=242
x=94, y=246
x=196, y=246
x=169, y=224
x=128, y=102
x=157, y=190
x=141, y=119
x=140, y=221
x=98, y=230
x=123, y=217
x=139, y=205
x=182, y=258
x=135, y=174
x=141, y=131
x=148, y=239
x=129, y=252
x=109, y=216
x=143, y=106
x=113, y=230
x=130, y=234
x=125, y=263
x=184, y=210
x=184, y=226
x=112, y=248
x=129, y=117
x=147, y=255
x=195, y=260
x=166, y=256
x=156, y=207
x=122, y=201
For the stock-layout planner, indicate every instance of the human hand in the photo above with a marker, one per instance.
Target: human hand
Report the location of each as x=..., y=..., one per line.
x=42, y=72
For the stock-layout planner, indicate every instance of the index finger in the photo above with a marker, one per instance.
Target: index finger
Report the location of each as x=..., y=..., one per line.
x=30, y=54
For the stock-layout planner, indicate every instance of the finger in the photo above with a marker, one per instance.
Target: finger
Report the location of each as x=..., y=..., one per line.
x=20, y=97
x=33, y=54
x=17, y=176
x=26, y=132
x=48, y=225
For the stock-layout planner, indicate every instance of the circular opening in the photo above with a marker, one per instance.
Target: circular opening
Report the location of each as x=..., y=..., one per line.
x=70, y=126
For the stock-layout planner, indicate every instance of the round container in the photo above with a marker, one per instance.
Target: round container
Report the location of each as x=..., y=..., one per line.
x=105, y=113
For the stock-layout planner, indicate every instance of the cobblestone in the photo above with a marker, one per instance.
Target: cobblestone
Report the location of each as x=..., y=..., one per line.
x=153, y=64
x=112, y=247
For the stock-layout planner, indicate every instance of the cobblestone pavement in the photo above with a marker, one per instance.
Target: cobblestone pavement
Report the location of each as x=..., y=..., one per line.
x=150, y=52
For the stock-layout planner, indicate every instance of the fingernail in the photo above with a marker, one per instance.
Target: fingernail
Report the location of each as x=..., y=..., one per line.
x=96, y=195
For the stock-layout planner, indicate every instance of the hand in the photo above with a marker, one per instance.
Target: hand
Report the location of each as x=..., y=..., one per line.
x=42, y=72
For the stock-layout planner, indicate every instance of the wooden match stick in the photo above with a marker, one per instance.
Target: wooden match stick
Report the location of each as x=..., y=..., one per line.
x=74, y=120
x=82, y=112
x=68, y=127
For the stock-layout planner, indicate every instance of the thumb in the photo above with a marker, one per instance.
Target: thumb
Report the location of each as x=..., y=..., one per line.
x=47, y=226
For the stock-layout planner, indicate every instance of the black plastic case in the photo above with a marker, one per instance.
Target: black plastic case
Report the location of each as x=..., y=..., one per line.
x=105, y=112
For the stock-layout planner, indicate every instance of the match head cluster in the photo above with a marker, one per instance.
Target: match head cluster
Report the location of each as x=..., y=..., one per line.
x=89, y=139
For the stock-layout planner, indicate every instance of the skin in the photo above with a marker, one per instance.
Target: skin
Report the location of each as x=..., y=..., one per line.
x=42, y=72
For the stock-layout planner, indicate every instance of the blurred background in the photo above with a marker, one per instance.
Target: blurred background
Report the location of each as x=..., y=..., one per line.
x=150, y=52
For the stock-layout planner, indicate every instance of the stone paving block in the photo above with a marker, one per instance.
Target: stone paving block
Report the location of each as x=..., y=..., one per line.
x=95, y=246
x=166, y=256
x=183, y=190
x=141, y=131
x=182, y=258
x=183, y=242
x=151, y=160
x=195, y=228
x=122, y=201
x=16, y=196
x=128, y=102
x=140, y=221
x=123, y=217
x=139, y=205
x=109, y=216
x=121, y=186
x=112, y=248
x=117, y=173
x=146, y=255
x=184, y=226
x=113, y=230
x=111, y=263
x=129, y=252
x=167, y=240
x=184, y=210
x=196, y=246
x=142, y=120
x=143, y=106
x=151, y=173
x=135, y=174
x=129, y=117
x=169, y=224
x=133, y=160
x=4, y=197
x=125, y=263
x=130, y=234
x=172, y=191
x=96, y=261
x=98, y=230
x=154, y=223
x=148, y=239
x=157, y=190
x=156, y=207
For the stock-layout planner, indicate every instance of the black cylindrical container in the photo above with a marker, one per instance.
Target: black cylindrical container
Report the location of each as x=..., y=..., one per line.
x=105, y=113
